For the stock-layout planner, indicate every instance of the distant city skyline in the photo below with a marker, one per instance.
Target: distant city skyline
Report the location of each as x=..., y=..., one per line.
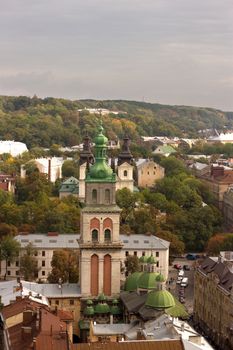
x=160, y=51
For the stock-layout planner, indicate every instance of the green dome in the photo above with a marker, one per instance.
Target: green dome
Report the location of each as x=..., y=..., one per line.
x=115, y=301
x=160, y=278
x=151, y=260
x=100, y=170
x=143, y=259
x=89, y=302
x=131, y=282
x=89, y=311
x=161, y=299
x=100, y=139
x=102, y=308
x=147, y=280
x=102, y=297
x=115, y=310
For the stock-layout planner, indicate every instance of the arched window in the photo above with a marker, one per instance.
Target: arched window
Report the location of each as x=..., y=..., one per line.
x=107, y=196
x=94, y=235
x=94, y=196
x=125, y=173
x=107, y=235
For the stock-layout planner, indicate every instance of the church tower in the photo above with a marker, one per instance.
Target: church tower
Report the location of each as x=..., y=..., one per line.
x=86, y=158
x=100, y=245
x=125, y=167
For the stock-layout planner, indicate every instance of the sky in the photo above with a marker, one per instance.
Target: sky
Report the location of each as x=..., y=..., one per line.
x=163, y=51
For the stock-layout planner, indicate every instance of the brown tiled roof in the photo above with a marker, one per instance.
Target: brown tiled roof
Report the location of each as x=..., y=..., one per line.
x=223, y=272
x=65, y=315
x=132, y=345
x=18, y=306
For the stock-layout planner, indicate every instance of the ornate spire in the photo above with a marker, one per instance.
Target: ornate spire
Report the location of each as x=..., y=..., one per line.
x=125, y=154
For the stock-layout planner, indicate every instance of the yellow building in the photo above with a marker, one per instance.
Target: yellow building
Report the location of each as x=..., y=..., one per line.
x=213, y=300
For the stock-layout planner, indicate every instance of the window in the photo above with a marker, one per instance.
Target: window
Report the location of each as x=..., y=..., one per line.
x=38, y=241
x=43, y=263
x=157, y=264
x=126, y=253
x=71, y=302
x=146, y=241
x=125, y=241
x=57, y=302
x=143, y=253
x=94, y=196
x=9, y=273
x=107, y=235
x=52, y=241
x=36, y=253
x=157, y=254
x=17, y=273
x=125, y=173
x=16, y=263
x=148, y=173
x=8, y=263
x=107, y=196
x=43, y=252
x=71, y=241
x=94, y=236
x=24, y=240
x=135, y=253
x=154, y=172
x=43, y=273
x=136, y=241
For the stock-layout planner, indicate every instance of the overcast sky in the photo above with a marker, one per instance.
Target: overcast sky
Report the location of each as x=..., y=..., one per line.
x=165, y=51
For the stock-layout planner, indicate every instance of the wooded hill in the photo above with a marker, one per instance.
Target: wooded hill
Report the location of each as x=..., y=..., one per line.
x=43, y=122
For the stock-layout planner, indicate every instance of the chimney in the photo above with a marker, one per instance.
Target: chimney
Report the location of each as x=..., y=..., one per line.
x=140, y=335
x=182, y=327
x=49, y=169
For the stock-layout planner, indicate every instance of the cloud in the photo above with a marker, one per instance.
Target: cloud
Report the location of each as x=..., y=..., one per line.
x=170, y=51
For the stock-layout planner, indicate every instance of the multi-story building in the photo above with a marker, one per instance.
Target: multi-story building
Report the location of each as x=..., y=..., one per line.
x=45, y=245
x=148, y=172
x=213, y=299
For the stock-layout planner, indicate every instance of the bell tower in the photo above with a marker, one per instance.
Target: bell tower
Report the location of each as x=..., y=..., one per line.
x=100, y=245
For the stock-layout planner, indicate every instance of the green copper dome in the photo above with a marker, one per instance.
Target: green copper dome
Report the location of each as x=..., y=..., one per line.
x=100, y=171
x=89, y=311
x=100, y=139
x=131, y=282
x=102, y=297
x=147, y=280
x=160, y=278
x=102, y=308
x=89, y=302
x=115, y=310
x=143, y=259
x=151, y=260
x=161, y=299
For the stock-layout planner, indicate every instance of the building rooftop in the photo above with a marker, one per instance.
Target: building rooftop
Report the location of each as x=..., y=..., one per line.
x=144, y=242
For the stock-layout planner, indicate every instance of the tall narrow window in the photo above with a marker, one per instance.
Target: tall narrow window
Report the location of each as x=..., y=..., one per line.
x=94, y=196
x=107, y=274
x=107, y=235
x=94, y=236
x=125, y=173
x=107, y=196
x=94, y=275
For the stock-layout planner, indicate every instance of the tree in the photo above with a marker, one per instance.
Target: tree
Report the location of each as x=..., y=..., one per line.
x=132, y=264
x=214, y=244
x=176, y=245
x=9, y=250
x=64, y=266
x=227, y=245
x=69, y=168
x=28, y=263
x=173, y=166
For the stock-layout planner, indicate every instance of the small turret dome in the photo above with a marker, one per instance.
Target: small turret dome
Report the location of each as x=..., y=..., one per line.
x=143, y=259
x=160, y=278
x=151, y=260
x=147, y=280
x=102, y=308
x=89, y=310
x=100, y=139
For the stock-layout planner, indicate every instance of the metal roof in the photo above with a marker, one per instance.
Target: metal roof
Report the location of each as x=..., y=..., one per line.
x=144, y=242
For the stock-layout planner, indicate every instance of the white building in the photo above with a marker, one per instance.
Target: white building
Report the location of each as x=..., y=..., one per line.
x=101, y=111
x=49, y=166
x=14, y=148
x=223, y=138
x=46, y=244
